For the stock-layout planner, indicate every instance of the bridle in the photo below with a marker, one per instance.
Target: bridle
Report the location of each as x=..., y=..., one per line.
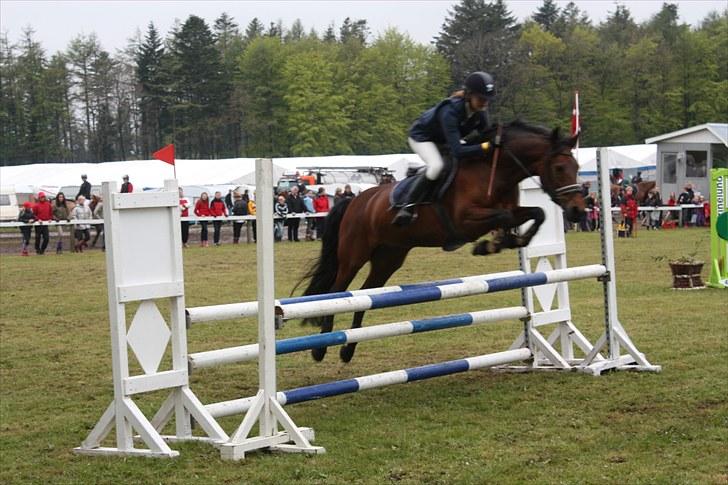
x=554, y=194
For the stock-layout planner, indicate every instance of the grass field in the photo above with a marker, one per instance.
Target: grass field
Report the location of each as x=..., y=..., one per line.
x=479, y=427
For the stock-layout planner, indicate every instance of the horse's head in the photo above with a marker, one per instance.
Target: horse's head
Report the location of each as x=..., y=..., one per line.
x=558, y=176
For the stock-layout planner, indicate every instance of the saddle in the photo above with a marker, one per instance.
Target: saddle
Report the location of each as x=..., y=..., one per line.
x=398, y=196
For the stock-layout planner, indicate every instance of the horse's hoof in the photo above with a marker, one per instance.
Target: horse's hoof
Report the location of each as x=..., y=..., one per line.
x=318, y=354
x=346, y=353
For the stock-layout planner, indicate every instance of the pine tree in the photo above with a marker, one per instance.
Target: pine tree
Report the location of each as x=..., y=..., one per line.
x=149, y=73
x=547, y=15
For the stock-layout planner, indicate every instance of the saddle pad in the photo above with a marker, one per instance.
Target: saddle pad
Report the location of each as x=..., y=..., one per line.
x=398, y=196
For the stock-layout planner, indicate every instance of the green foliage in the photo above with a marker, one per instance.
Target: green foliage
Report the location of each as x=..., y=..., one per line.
x=275, y=90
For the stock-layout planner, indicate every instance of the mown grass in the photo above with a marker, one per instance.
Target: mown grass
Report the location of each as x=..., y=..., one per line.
x=480, y=427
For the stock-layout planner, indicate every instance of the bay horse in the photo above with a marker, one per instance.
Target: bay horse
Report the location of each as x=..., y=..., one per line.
x=642, y=190
x=360, y=229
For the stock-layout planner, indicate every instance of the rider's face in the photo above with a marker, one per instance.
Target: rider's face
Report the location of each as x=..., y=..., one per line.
x=478, y=103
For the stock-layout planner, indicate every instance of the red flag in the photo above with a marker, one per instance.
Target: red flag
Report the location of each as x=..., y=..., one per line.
x=575, y=121
x=166, y=154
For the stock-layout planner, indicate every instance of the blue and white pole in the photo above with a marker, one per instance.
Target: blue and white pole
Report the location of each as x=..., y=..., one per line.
x=346, y=386
x=244, y=353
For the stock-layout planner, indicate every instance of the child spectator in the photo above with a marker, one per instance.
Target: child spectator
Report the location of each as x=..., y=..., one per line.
x=217, y=209
x=61, y=212
x=654, y=200
x=629, y=211
x=308, y=205
x=251, y=212
x=281, y=212
x=321, y=204
x=202, y=209
x=26, y=215
x=43, y=212
x=240, y=208
x=126, y=186
x=184, y=211
x=82, y=232
x=700, y=211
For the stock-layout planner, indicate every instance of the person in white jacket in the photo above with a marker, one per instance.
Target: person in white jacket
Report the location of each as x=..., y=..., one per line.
x=82, y=232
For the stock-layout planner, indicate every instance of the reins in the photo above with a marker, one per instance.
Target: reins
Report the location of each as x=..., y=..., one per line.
x=554, y=194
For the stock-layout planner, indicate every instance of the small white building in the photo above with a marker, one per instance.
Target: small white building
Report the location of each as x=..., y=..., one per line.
x=687, y=156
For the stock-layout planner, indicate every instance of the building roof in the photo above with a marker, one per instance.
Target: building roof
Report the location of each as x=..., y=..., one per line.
x=718, y=130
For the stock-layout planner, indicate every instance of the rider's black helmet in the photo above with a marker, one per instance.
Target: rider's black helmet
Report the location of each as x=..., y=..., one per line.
x=481, y=84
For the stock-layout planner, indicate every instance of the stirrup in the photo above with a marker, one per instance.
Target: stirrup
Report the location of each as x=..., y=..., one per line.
x=405, y=216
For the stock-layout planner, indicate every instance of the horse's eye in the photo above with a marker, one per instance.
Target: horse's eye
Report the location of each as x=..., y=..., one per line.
x=559, y=169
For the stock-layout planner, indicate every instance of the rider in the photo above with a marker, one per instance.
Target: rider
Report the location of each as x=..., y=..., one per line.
x=462, y=116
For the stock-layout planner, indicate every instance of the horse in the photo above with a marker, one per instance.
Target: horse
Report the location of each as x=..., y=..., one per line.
x=360, y=229
x=642, y=190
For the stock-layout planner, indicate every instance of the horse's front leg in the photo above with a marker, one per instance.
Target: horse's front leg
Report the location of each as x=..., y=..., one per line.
x=521, y=215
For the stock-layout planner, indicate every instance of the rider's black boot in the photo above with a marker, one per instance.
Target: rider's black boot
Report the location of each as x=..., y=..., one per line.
x=407, y=214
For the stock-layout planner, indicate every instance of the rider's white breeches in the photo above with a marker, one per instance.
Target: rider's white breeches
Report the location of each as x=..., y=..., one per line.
x=429, y=154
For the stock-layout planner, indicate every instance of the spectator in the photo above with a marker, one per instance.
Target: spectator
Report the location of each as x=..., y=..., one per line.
x=280, y=209
x=700, y=211
x=321, y=204
x=594, y=214
x=43, y=212
x=229, y=201
x=61, y=212
x=706, y=212
x=85, y=188
x=82, y=232
x=348, y=194
x=246, y=196
x=251, y=212
x=295, y=206
x=686, y=197
x=629, y=211
x=126, y=186
x=184, y=211
x=654, y=200
x=308, y=205
x=217, y=209
x=590, y=202
x=202, y=209
x=97, y=212
x=240, y=208
x=26, y=215
x=338, y=194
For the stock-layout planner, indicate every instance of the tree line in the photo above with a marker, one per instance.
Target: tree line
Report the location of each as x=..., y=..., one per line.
x=219, y=91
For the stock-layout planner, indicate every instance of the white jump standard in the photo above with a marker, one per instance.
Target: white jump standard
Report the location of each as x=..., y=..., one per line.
x=543, y=280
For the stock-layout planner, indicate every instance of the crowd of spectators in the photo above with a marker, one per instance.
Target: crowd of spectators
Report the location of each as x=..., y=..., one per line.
x=290, y=206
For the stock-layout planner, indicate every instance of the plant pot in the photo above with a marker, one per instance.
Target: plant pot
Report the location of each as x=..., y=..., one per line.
x=686, y=276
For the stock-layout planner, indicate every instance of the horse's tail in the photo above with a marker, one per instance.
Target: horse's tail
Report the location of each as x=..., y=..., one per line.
x=322, y=274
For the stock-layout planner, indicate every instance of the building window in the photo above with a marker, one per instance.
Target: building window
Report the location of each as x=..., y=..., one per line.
x=720, y=155
x=696, y=163
x=669, y=168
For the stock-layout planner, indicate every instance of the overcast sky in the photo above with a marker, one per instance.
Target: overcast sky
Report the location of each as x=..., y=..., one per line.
x=57, y=22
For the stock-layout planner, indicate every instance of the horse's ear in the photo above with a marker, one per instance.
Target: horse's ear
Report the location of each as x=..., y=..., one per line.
x=556, y=135
x=573, y=140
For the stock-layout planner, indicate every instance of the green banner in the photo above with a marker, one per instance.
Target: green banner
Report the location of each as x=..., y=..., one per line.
x=719, y=228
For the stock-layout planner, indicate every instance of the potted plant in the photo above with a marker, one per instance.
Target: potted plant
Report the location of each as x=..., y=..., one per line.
x=686, y=269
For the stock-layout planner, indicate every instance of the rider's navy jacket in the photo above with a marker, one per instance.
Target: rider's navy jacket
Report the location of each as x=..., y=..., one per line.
x=448, y=122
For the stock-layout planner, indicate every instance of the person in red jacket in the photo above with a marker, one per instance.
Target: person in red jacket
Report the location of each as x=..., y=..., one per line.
x=202, y=209
x=629, y=210
x=321, y=204
x=126, y=187
x=217, y=209
x=43, y=211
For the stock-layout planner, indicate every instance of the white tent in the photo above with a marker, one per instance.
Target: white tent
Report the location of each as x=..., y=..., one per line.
x=626, y=157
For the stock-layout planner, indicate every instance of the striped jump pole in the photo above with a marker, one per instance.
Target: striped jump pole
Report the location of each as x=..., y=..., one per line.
x=347, y=386
x=229, y=311
x=314, y=309
x=249, y=352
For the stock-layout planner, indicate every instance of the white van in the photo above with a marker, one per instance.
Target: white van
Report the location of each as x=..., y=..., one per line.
x=9, y=209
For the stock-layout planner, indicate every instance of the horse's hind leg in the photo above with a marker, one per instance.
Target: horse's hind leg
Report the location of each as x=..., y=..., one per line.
x=345, y=274
x=384, y=262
